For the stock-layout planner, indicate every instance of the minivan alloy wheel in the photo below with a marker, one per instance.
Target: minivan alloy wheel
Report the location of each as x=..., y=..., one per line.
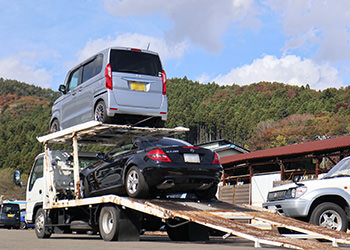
x=100, y=112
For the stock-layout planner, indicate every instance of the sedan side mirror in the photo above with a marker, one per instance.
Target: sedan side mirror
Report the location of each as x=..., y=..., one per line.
x=17, y=178
x=62, y=89
x=101, y=156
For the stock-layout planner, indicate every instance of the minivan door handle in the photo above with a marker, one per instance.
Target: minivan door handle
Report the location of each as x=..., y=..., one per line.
x=40, y=192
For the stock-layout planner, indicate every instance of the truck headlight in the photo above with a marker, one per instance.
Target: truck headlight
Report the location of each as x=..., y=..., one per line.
x=294, y=193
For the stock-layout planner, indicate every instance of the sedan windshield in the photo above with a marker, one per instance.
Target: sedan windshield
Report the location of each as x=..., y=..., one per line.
x=342, y=168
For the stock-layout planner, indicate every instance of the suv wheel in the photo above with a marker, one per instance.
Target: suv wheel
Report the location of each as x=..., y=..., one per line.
x=329, y=215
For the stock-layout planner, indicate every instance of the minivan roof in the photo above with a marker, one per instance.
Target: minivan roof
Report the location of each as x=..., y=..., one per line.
x=105, y=51
x=117, y=48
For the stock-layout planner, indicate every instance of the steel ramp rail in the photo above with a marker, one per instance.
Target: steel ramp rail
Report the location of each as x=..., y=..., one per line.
x=216, y=215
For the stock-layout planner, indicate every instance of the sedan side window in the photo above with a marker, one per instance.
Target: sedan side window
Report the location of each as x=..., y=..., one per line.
x=37, y=172
x=74, y=79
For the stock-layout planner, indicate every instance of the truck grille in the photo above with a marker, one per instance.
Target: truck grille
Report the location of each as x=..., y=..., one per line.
x=278, y=195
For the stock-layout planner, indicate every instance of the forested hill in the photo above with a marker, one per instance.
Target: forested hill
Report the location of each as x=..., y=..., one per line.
x=259, y=115
x=24, y=114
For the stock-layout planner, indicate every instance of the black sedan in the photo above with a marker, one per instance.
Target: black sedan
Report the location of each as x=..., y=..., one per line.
x=153, y=166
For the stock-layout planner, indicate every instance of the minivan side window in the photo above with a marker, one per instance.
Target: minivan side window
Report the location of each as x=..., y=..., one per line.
x=73, y=80
x=92, y=68
x=37, y=172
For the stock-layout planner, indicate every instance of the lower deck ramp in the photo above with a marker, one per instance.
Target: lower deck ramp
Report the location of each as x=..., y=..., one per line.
x=227, y=218
x=222, y=216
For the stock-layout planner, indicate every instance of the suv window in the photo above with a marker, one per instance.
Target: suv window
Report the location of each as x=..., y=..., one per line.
x=73, y=79
x=37, y=172
x=92, y=68
x=135, y=62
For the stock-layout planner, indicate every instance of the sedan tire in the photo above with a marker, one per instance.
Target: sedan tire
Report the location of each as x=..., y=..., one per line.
x=136, y=185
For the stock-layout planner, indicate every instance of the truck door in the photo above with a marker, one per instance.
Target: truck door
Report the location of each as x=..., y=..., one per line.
x=35, y=187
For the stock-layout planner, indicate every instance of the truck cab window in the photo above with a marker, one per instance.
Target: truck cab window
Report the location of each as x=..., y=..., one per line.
x=37, y=172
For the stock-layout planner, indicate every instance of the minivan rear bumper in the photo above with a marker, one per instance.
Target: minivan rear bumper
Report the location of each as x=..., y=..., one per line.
x=161, y=112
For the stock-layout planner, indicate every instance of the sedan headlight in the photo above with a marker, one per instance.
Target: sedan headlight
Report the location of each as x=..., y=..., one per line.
x=296, y=192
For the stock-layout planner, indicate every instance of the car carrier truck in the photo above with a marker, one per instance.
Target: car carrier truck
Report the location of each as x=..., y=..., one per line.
x=56, y=206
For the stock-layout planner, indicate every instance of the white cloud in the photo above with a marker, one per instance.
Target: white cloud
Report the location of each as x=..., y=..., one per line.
x=160, y=46
x=289, y=69
x=201, y=22
x=14, y=68
x=324, y=25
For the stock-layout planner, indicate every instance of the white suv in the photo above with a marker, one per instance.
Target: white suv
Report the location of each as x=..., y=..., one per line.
x=324, y=202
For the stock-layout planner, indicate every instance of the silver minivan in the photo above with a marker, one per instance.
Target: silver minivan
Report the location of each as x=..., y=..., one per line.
x=117, y=85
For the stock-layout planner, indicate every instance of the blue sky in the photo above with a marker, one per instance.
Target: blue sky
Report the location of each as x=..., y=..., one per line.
x=297, y=42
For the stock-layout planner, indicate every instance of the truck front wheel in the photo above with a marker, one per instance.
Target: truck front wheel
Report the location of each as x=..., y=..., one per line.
x=108, y=223
x=41, y=230
x=329, y=215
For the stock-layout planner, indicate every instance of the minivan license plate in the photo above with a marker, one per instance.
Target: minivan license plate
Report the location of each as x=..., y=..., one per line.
x=138, y=86
x=192, y=158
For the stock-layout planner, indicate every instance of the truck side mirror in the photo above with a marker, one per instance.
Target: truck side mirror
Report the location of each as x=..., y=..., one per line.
x=62, y=89
x=17, y=178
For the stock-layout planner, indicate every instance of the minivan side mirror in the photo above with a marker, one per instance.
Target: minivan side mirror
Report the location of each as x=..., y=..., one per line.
x=62, y=89
x=17, y=178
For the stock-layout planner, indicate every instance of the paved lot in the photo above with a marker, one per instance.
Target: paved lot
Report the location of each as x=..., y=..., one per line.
x=26, y=239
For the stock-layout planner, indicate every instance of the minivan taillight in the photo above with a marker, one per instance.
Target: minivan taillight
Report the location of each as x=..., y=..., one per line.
x=216, y=159
x=158, y=155
x=108, y=76
x=164, y=80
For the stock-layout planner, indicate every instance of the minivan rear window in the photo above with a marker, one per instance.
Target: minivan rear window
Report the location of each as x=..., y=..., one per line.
x=135, y=62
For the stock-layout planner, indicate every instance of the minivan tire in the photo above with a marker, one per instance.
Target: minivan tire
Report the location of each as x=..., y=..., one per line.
x=100, y=113
x=55, y=126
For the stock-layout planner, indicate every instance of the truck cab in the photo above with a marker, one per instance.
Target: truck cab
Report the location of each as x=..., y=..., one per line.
x=63, y=172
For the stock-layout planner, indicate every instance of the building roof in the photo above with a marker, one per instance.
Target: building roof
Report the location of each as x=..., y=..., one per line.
x=315, y=147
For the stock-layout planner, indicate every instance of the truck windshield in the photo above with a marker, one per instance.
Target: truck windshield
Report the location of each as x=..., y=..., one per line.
x=342, y=168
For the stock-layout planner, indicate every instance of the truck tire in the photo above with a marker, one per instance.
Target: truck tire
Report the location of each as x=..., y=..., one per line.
x=108, y=223
x=207, y=194
x=41, y=230
x=187, y=232
x=329, y=215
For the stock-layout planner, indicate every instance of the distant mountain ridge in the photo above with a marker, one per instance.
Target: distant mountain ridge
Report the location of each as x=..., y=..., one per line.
x=257, y=116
